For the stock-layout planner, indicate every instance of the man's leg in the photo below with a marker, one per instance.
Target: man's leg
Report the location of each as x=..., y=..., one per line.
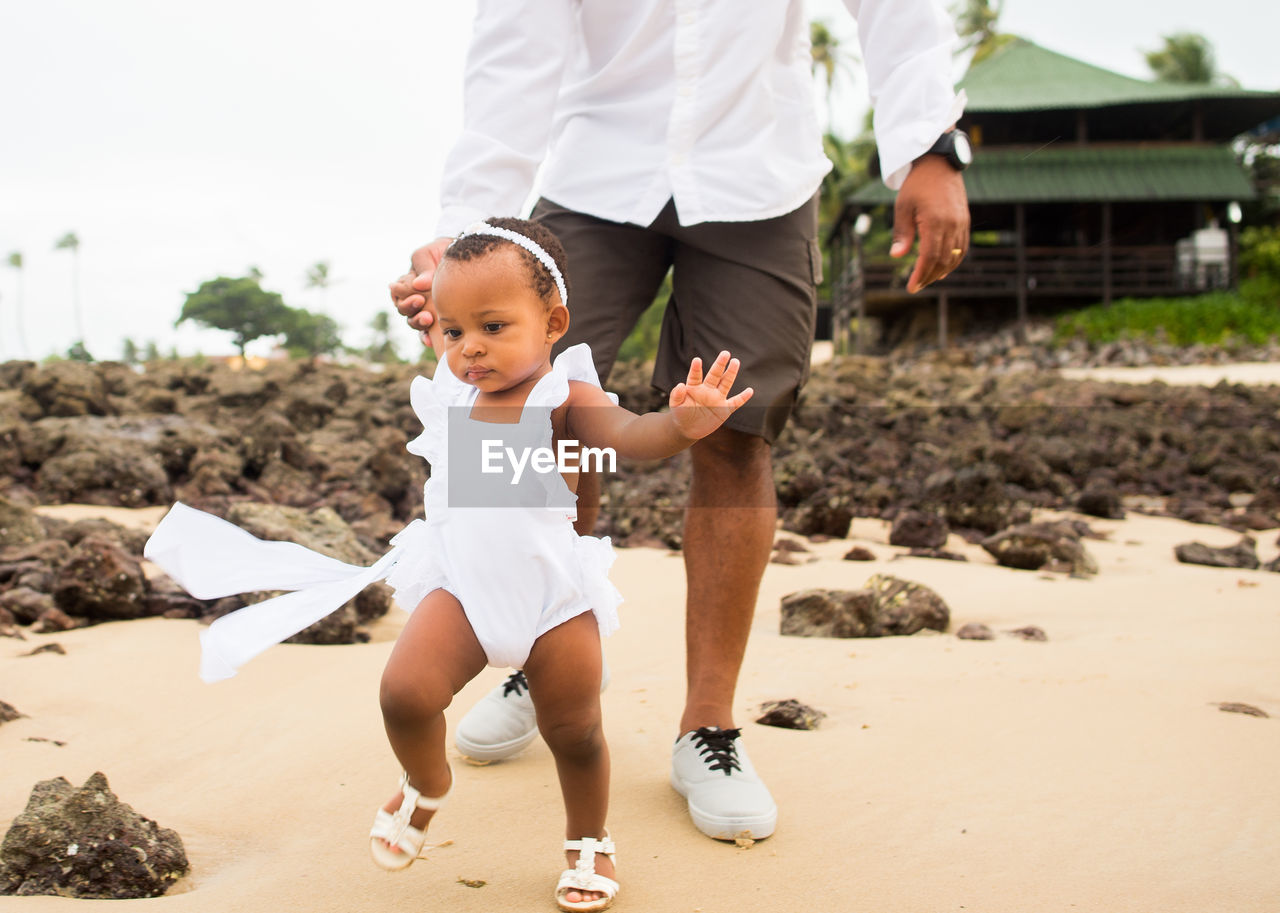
x=749, y=288
x=728, y=534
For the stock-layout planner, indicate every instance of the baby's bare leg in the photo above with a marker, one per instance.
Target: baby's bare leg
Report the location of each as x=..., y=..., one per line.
x=563, y=670
x=436, y=654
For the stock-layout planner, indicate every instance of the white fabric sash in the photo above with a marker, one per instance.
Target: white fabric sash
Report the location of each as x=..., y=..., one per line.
x=211, y=558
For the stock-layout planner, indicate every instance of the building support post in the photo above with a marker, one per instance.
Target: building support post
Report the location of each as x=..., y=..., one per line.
x=1020, y=216
x=1106, y=253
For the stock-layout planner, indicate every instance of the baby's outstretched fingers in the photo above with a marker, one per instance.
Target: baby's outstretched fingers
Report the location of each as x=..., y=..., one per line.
x=717, y=369
x=737, y=402
x=695, y=372
x=729, y=375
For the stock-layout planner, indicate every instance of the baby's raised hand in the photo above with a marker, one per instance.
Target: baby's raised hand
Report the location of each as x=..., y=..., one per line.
x=700, y=405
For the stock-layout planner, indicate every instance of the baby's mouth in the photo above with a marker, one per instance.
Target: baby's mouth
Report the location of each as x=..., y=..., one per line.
x=475, y=372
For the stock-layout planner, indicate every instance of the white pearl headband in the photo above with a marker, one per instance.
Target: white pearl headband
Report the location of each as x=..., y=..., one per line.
x=484, y=228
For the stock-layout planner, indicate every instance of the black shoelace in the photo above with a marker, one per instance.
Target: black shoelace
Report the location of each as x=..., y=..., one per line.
x=515, y=684
x=716, y=748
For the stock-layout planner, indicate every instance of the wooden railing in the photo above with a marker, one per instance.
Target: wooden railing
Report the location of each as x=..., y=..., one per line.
x=1049, y=271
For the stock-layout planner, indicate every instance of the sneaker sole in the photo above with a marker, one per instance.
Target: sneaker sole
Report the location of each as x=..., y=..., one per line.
x=494, y=751
x=719, y=827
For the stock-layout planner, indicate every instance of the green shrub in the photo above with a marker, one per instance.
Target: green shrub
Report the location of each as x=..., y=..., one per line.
x=1260, y=252
x=1250, y=315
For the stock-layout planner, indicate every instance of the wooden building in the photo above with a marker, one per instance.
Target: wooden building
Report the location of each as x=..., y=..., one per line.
x=1086, y=185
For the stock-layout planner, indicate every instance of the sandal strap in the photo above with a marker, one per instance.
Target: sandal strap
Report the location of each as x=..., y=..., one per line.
x=412, y=797
x=592, y=845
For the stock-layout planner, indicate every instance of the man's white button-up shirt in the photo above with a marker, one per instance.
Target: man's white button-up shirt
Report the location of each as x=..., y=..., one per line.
x=710, y=103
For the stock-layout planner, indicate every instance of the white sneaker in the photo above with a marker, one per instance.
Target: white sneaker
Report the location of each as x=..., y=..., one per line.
x=727, y=800
x=503, y=722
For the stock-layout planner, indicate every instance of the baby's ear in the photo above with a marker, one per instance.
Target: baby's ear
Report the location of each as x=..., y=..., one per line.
x=557, y=322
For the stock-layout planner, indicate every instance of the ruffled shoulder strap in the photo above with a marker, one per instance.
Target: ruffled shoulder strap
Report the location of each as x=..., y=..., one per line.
x=574, y=363
x=431, y=399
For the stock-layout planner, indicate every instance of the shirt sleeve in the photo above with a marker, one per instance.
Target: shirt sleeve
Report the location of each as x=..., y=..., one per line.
x=907, y=46
x=512, y=77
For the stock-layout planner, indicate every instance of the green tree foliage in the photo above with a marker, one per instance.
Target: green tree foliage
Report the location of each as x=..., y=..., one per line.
x=129, y=352
x=1186, y=57
x=78, y=352
x=829, y=59
x=70, y=241
x=151, y=352
x=240, y=306
x=1260, y=252
x=977, y=25
x=642, y=343
x=307, y=334
x=16, y=262
x=381, y=349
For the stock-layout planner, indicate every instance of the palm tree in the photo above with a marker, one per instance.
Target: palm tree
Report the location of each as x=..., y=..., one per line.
x=318, y=277
x=1186, y=57
x=828, y=57
x=15, y=261
x=70, y=242
x=976, y=22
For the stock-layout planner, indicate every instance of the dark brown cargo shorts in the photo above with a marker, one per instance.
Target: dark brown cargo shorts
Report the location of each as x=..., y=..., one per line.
x=748, y=287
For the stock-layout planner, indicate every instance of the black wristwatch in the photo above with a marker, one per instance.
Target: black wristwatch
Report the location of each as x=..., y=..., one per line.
x=954, y=147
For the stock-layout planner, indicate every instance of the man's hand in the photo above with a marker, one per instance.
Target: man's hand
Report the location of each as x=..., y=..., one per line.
x=699, y=406
x=932, y=202
x=411, y=293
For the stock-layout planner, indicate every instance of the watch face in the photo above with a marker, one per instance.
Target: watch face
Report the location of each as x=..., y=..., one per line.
x=964, y=153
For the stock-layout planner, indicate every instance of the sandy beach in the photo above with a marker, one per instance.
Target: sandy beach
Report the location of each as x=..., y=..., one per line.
x=1093, y=771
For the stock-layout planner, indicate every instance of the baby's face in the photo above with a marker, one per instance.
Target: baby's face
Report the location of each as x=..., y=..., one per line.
x=496, y=329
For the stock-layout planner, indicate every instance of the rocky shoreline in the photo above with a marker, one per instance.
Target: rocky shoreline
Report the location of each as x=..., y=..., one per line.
x=958, y=440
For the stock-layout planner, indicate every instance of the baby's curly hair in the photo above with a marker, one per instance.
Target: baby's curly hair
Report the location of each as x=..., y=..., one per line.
x=470, y=247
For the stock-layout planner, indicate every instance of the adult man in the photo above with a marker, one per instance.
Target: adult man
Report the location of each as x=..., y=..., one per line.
x=681, y=134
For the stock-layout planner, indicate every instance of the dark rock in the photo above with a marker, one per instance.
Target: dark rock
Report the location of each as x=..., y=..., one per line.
x=47, y=648
x=827, y=516
x=784, y=558
x=940, y=553
x=100, y=581
x=1100, y=500
x=19, y=525
x=859, y=553
x=9, y=713
x=885, y=606
x=25, y=604
x=105, y=472
x=789, y=714
x=975, y=631
x=1030, y=632
x=87, y=843
x=789, y=545
x=52, y=620
x=66, y=388
x=972, y=496
x=45, y=551
x=1242, y=555
x=1273, y=565
x=1248, y=709
x=1031, y=546
x=129, y=540
x=917, y=529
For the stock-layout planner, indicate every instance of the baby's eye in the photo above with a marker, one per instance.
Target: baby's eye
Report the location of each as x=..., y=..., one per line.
x=452, y=333
x=493, y=327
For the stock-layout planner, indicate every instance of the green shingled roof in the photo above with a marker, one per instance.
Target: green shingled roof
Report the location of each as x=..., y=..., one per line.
x=1067, y=173
x=1022, y=76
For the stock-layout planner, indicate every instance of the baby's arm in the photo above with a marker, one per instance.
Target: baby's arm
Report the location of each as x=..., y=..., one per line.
x=697, y=407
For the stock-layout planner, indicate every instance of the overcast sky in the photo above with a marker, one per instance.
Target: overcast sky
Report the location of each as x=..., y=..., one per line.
x=185, y=141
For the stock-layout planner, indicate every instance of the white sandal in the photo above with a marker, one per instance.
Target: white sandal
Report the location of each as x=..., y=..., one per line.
x=393, y=828
x=583, y=877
